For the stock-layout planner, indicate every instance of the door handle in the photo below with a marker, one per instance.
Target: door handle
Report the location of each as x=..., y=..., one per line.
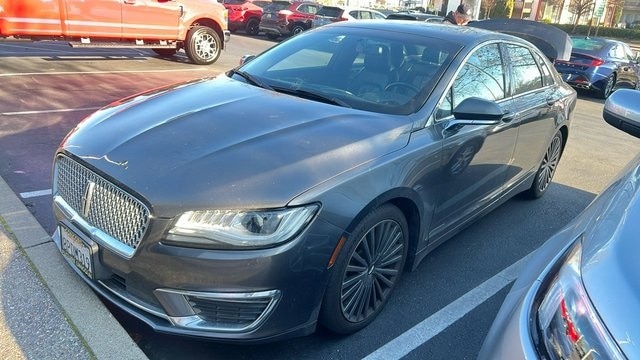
x=551, y=101
x=131, y=2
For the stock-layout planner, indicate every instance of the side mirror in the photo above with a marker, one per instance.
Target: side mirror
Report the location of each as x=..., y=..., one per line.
x=246, y=58
x=622, y=110
x=482, y=111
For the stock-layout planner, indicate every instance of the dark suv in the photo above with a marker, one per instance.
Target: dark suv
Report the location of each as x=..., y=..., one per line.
x=282, y=18
x=245, y=14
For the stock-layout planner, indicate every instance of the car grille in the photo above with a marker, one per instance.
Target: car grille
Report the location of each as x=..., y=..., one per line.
x=229, y=313
x=100, y=203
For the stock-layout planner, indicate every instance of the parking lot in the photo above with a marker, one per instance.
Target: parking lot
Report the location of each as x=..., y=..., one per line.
x=442, y=310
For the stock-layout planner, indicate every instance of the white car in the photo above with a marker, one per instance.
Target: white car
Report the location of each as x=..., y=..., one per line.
x=329, y=14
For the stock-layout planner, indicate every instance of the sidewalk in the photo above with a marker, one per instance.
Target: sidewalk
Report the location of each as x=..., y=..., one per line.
x=46, y=310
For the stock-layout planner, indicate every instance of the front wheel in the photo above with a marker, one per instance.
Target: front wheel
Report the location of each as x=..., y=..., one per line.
x=547, y=168
x=203, y=45
x=366, y=271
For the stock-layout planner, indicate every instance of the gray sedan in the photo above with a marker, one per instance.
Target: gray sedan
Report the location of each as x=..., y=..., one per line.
x=579, y=297
x=295, y=189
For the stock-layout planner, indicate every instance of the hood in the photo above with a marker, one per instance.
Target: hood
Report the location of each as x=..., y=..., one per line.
x=221, y=143
x=610, y=266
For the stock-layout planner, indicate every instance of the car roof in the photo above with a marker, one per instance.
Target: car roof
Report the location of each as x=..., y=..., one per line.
x=462, y=35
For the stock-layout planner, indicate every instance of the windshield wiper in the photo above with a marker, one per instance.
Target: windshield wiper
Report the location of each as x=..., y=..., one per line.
x=250, y=78
x=313, y=96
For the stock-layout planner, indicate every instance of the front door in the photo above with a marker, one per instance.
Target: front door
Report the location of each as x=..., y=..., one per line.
x=476, y=157
x=150, y=19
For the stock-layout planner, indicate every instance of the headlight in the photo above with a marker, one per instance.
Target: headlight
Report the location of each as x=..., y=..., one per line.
x=227, y=229
x=568, y=325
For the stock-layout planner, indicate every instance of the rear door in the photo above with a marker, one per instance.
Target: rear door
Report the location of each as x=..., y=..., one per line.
x=94, y=19
x=30, y=17
x=151, y=19
x=536, y=100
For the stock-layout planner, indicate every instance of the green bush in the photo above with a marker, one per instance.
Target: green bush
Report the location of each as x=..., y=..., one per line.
x=632, y=35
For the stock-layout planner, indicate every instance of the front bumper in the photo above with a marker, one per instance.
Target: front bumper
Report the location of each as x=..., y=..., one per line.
x=231, y=296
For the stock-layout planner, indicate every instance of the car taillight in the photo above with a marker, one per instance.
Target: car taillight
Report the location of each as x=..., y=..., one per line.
x=596, y=62
x=336, y=19
x=285, y=12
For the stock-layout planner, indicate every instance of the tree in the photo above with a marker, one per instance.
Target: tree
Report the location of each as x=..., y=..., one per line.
x=502, y=9
x=487, y=5
x=580, y=8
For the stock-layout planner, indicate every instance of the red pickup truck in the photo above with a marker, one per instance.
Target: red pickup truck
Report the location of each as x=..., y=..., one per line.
x=165, y=26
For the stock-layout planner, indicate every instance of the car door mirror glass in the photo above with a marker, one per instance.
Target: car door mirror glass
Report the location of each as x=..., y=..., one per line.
x=622, y=110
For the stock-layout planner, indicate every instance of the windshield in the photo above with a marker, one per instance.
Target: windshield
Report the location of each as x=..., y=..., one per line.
x=385, y=72
x=276, y=6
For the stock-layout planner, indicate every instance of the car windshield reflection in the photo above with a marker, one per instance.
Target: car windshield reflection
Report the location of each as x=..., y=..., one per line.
x=369, y=71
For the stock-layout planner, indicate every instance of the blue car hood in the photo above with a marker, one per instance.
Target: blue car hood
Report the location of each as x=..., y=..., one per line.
x=220, y=142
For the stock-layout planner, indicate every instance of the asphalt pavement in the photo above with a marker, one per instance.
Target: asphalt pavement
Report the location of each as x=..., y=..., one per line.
x=46, y=310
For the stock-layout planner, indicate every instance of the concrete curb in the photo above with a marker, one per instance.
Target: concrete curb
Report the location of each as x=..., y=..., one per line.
x=94, y=324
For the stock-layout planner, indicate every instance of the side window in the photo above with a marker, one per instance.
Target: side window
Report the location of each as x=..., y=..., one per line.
x=547, y=77
x=525, y=71
x=482, y=76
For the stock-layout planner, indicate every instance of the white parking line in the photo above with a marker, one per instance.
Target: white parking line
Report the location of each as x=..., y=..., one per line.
x=30, y=194
x=103, y=72
x=14, y=113
x=445, y=317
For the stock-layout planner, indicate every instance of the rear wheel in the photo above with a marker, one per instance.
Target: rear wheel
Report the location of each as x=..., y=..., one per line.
x=253, y=27
x=547, y=168
x=366, y=271
x=297, y=29
x=203, y=45
x=608, y=87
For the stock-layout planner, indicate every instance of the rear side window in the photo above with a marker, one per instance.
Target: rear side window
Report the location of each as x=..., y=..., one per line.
x=330, y=11
x=525, y=73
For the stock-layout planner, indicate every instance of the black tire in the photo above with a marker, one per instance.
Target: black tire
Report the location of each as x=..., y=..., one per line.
x=165, y=52
x=297, y=29
x=366, y=271
x=253, y=27
x=203, y=45
x=607, y=89
x=547, y=168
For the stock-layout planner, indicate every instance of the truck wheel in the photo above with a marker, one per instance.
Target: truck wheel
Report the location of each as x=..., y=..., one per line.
x=203, y=45
x=165, y=52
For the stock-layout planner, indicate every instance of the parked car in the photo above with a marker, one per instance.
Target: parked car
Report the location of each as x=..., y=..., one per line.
x=295, y=189
x=328, y=14
x=284, y=18
x=416, y=16
x=600, y=65
x=578, y=297
x=245, y=14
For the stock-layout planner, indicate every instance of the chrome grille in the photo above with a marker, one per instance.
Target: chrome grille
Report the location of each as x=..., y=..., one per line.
x=107, y=207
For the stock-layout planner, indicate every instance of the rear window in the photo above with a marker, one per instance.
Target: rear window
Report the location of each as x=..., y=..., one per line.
x=277, y=6
x=330, y=11
x=587, y=44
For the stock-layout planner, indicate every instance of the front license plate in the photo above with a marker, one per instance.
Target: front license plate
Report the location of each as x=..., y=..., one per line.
x=76, y=251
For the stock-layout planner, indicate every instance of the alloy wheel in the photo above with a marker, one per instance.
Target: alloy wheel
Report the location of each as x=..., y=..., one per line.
x=549, y=163
x=372, y=270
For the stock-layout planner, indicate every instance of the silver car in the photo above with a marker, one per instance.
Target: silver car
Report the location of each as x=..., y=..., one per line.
x=579, y=296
